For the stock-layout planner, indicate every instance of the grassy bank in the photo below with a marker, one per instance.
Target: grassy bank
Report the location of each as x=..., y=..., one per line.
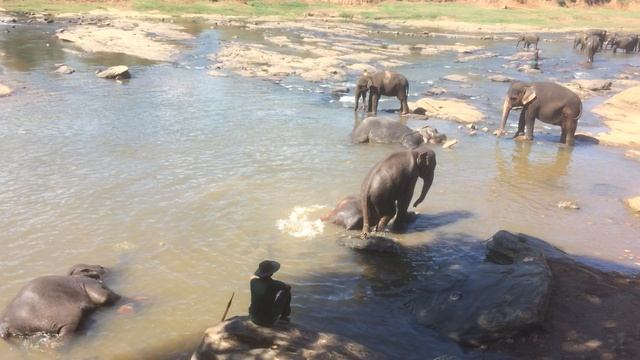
x=549, y=16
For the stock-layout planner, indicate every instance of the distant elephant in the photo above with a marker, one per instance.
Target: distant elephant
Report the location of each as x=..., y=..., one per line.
x=580, y=40
x=388, y=187
x=627, y=43
x=551, y=103
x=387, y=83
x=347, y=213
x=56, y=305
x=600, y=33
x=387, y=131
x=528, y=40
x=592, y=44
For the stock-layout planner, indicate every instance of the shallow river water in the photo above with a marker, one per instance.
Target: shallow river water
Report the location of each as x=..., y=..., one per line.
x=177, y=181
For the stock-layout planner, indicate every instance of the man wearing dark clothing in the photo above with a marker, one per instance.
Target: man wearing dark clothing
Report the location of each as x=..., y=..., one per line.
x=270, y=299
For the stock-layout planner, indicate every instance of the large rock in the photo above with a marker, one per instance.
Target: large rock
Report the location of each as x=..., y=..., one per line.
x=620, y=113
x=373, y=243
x=65, y=69
x=495, y=299
x=115, y=72
x=239, y=338
x=634, y=203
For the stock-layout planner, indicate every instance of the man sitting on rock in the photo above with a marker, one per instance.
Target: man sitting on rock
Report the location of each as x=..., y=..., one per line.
x=270, y=299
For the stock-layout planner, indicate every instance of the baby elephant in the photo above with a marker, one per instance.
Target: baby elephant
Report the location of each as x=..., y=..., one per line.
x=387, y=131
x=347, y=213
x=388, y=188
x=56, y=305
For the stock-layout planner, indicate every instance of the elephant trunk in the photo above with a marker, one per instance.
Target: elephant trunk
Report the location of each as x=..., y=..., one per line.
x=427, y=181
x=506, y=108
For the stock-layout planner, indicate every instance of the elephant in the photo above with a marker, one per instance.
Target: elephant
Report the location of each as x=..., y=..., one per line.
x=387, y=131
x=600, y=33
x=528, y=40
x=580, y=40
x=56, y=305
x=627, y=43
x=347, y=213
x=551, y=103
x=591, y=46
x=387, y=83
x=388, y=187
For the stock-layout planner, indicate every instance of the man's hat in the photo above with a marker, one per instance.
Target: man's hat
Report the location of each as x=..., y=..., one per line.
x=267, y=268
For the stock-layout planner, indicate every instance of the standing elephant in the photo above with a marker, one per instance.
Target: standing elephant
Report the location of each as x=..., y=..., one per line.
x=600, y=33
x=388, y=188
x=580, y=40
x=347, y=213
x=591, y=46
x=387, y=131
x=547, y=101
x=56, y=305
x=387, y=83
x=528, y=40
x=627, y=43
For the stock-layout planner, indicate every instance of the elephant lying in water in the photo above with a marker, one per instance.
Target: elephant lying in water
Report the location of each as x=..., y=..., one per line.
x=387, y=131
x=347, y=213
x=56, y=305
x=388, y=188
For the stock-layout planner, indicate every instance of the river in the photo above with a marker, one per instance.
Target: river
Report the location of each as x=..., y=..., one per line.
x=177, y=181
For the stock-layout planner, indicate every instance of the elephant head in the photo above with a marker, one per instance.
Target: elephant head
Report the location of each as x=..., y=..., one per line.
x=362, y=87
x=426, y=164
x=519, y=94
x=91, y=271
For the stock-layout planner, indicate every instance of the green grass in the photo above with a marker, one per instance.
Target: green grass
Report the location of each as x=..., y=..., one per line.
x=462, y=12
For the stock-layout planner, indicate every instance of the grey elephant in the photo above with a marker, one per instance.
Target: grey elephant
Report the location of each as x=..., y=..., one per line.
x=387, y=83
x=56, y=305
x=591, y=46
x=347, y=213
x=600, y=33
x=388, y=187
x=551, y=103
x=386, y=131
x=580, y=40
x=626, y=43
x=528, y=40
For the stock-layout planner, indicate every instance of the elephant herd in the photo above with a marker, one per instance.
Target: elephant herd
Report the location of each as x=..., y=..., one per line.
x=592, y=41
x=57, y=305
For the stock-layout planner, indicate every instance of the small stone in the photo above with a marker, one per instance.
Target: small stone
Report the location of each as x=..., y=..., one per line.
x=436, y=91
x=633, y=203
x=419, y=111
x=568, y=205
x=471, y=126
x=456, y=78
x=216, y=73
x=485, y=129
x=473, y=133
x=65, y=69
x=5, y=90
x=500, y=78
x=115, y=72
x=449, y=143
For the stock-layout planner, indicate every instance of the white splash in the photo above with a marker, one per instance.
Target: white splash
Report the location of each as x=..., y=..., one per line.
x=298, y=224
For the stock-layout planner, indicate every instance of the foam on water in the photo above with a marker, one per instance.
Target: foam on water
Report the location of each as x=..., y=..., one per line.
x=298, y=223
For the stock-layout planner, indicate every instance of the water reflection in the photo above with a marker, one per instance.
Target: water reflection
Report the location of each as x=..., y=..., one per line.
x=26, y=49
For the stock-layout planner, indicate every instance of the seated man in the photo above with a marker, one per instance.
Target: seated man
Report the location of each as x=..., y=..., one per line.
x=270, y=299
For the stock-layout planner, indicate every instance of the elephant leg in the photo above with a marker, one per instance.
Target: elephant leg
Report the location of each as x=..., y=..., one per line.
x=520, y=130
x=402, y=218
x=374, y=103
x=382, y=224
x=569, y=126
x=369, y=106
x=404, y=106
x=529, y=120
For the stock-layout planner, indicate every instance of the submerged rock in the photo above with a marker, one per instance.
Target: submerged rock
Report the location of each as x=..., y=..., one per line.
x=568, y=205
x=496, y=299
x=115, y=72
x=65, y=69
x=500, y=78
x=239, y=338
x=632, y=154
x=456, y=78
x=373, y=243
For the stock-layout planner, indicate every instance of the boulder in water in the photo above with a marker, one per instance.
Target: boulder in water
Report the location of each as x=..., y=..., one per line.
x=115, y=72
x=239, y=338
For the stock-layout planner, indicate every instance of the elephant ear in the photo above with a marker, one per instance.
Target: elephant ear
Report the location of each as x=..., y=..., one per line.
x=529, y=95
x=423, y=157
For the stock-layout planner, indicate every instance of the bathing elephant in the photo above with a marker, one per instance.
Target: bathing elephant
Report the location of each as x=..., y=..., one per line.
x=387, y=131
x=56, y=305
x=551, y=103
x=600, y=33
x=627, y=43
x=387, y=83
x=580, y=40
x=347, y=213
x=528, y=40
x=591, y=46
x=388, y=187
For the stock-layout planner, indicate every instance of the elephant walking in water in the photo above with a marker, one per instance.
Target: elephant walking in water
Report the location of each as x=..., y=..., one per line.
x=591, y=46
x=56, y=305
x=388, y=188
x=387, y=83
x=528, y=40
x=551, y=103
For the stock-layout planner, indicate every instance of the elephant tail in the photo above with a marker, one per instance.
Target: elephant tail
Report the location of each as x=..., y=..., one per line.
x=580, y=113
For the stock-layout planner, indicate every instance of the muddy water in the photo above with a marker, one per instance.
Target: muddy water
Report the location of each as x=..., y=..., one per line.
x=178, y=181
